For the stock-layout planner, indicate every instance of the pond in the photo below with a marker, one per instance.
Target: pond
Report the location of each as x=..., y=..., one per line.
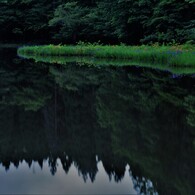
x=77, y=129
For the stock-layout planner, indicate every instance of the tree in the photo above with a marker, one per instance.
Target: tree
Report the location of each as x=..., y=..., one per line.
x=171, y=21
x=69, y=18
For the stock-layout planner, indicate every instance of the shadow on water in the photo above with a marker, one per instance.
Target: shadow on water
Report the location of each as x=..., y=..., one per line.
x=124, y=115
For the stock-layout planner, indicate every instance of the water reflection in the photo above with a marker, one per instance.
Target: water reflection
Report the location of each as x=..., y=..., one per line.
x=99, y=62
x=37, y=180
x=72, y=113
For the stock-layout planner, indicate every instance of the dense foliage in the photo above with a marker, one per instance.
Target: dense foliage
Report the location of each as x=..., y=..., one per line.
x=110, y=21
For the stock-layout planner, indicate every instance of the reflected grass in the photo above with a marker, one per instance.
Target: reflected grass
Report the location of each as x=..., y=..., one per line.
x=102, y=62
x=180, y=55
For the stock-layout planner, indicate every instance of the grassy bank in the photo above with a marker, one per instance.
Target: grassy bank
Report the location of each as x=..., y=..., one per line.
x=181, y=55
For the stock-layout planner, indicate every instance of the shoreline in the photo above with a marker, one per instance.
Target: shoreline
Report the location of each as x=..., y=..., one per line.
x=180, y=55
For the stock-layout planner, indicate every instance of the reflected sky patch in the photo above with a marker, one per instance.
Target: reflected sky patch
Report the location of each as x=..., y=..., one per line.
x=34, y=180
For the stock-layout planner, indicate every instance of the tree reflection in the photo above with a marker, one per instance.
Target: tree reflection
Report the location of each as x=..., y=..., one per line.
x=134, y=116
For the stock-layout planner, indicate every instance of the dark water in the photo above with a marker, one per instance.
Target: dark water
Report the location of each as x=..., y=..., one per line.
x=72, y=129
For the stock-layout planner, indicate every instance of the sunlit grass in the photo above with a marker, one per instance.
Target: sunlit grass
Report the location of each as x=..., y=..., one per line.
x=180, y=55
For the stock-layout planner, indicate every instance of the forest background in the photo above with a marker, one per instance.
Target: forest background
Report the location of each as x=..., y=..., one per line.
x=105, y=21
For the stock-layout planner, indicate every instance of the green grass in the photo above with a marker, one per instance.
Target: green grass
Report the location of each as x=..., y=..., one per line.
x=180, y=55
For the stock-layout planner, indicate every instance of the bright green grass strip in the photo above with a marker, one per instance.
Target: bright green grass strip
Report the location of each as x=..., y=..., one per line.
x=167, y=55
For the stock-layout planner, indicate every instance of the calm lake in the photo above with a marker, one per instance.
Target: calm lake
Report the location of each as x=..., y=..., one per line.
x=77, y=129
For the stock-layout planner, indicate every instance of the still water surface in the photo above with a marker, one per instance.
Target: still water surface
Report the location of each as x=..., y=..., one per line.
x=74, y=129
